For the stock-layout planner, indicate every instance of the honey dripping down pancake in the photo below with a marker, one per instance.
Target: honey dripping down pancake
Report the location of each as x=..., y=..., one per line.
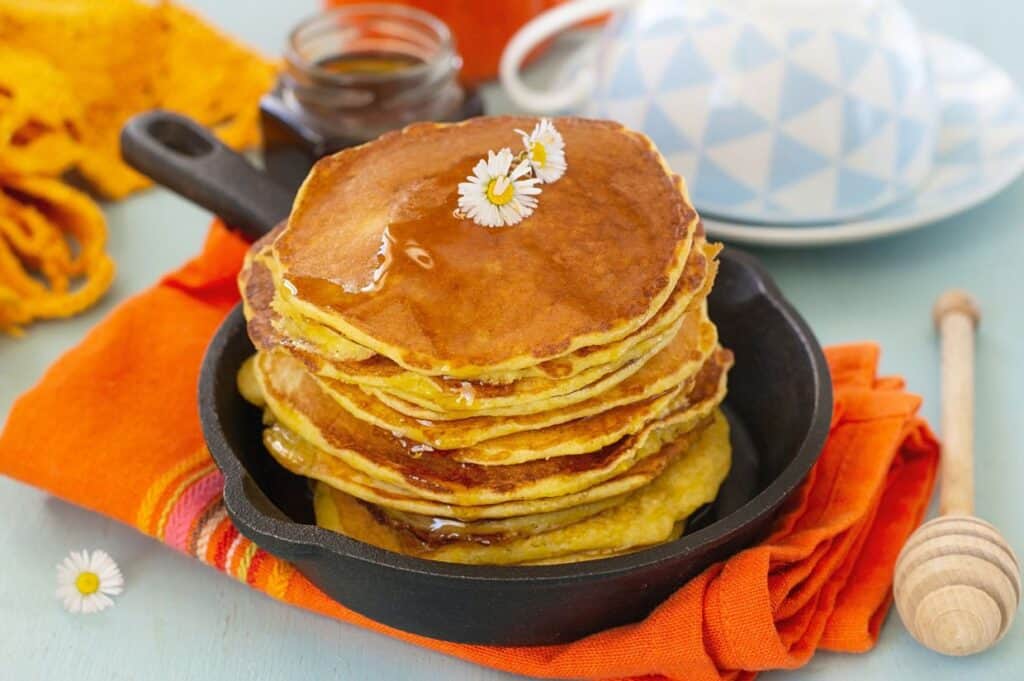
x=540, y=392
x=450, y=297
x=440, y=398
x=350, y=358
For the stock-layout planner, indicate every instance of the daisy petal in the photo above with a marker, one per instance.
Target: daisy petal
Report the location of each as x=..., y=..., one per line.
x=96, y=560
x=102, y=602
x=111, y=574
x=65, y=574
x=521, y=169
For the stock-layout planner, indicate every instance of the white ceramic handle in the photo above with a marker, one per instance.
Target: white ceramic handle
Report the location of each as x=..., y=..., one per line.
x=536, y=31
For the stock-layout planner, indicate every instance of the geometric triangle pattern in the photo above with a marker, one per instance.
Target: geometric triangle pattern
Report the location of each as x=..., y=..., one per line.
x=777, y=125
x=980, y=150
x=980, y=142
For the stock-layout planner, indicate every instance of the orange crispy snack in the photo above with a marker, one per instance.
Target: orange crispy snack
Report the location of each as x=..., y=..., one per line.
x=71, y=73
x=40, y=120
x=120, y=57
x=53, y=261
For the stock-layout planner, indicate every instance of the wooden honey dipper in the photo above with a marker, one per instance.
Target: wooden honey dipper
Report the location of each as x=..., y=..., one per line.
x=957, y=583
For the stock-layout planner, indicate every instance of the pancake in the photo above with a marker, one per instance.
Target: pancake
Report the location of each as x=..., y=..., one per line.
x=528, y=396
x=443, y=395
x=649, y=516
x=698, y=397
x=315, y=338
x=438, y=530
x=668, y=369
x=330, y=354
x=305, y=459
x=433, y=393
x=706, y=389
x=598, y=554
x=297, y=402
x=302, y=458
x=373, y=251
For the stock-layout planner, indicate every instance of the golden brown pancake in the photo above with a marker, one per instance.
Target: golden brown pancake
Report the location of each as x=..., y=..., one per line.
x=661, y=375
x=343, y=359
x=664, y=372
x=438, y=395
x=297, y=402
x=437, y=530
x=528, y=396
x=304, y=459
x=581, y=368
x=700, y=394
x=651, y=515
x=373, y=250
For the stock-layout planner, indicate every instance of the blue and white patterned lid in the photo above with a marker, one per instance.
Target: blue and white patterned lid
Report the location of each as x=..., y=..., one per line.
x=771, y=123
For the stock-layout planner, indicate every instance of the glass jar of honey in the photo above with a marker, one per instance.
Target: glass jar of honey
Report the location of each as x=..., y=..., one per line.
x=481, y=27
x=354, y=72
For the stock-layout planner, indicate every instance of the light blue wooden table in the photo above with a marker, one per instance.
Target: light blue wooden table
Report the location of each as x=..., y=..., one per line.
x=179, y=620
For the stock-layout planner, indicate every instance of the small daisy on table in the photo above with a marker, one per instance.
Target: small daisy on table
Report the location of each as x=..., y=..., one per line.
x=85, y=582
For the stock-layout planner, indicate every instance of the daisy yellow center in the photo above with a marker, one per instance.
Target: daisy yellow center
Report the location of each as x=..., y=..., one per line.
x=539, y=154
x=500, y=191
x=87, y=583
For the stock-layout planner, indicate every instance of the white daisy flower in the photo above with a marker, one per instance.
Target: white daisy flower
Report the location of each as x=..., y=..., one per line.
x=545, y=149
x=494, y=196
x=86, y=582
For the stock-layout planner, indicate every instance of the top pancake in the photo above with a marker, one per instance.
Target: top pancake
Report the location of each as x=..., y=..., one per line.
x=373, y=250
x=471, y=398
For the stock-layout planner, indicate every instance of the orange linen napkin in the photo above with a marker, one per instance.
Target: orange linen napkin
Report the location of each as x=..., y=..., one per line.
x=112, y=427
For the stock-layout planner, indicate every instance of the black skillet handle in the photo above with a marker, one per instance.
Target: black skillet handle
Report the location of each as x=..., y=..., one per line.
x=188, y=159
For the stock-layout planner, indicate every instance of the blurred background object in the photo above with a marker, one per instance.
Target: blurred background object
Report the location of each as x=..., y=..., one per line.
x=778, y=112
x=481, y=28
x=353, y=73
x=794, y=122
x=71, y=73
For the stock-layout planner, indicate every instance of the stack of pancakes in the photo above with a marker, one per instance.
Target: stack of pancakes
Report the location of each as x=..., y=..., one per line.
x=546, y=392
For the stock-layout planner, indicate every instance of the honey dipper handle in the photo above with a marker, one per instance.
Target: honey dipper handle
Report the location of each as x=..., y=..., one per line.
x=956, y=316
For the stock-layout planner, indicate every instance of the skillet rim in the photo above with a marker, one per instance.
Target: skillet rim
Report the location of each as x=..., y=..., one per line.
x=293, y=541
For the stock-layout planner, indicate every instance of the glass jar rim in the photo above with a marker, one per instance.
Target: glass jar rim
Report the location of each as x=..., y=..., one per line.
x=445, y=41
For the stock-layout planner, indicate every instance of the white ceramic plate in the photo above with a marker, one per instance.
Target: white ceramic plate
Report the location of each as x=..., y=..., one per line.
x=980, y=152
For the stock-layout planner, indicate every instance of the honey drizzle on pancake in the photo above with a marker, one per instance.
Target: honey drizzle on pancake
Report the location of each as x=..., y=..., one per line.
x=588, y=261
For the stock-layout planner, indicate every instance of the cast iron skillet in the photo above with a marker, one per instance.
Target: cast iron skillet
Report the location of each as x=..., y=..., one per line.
x=779, y=406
